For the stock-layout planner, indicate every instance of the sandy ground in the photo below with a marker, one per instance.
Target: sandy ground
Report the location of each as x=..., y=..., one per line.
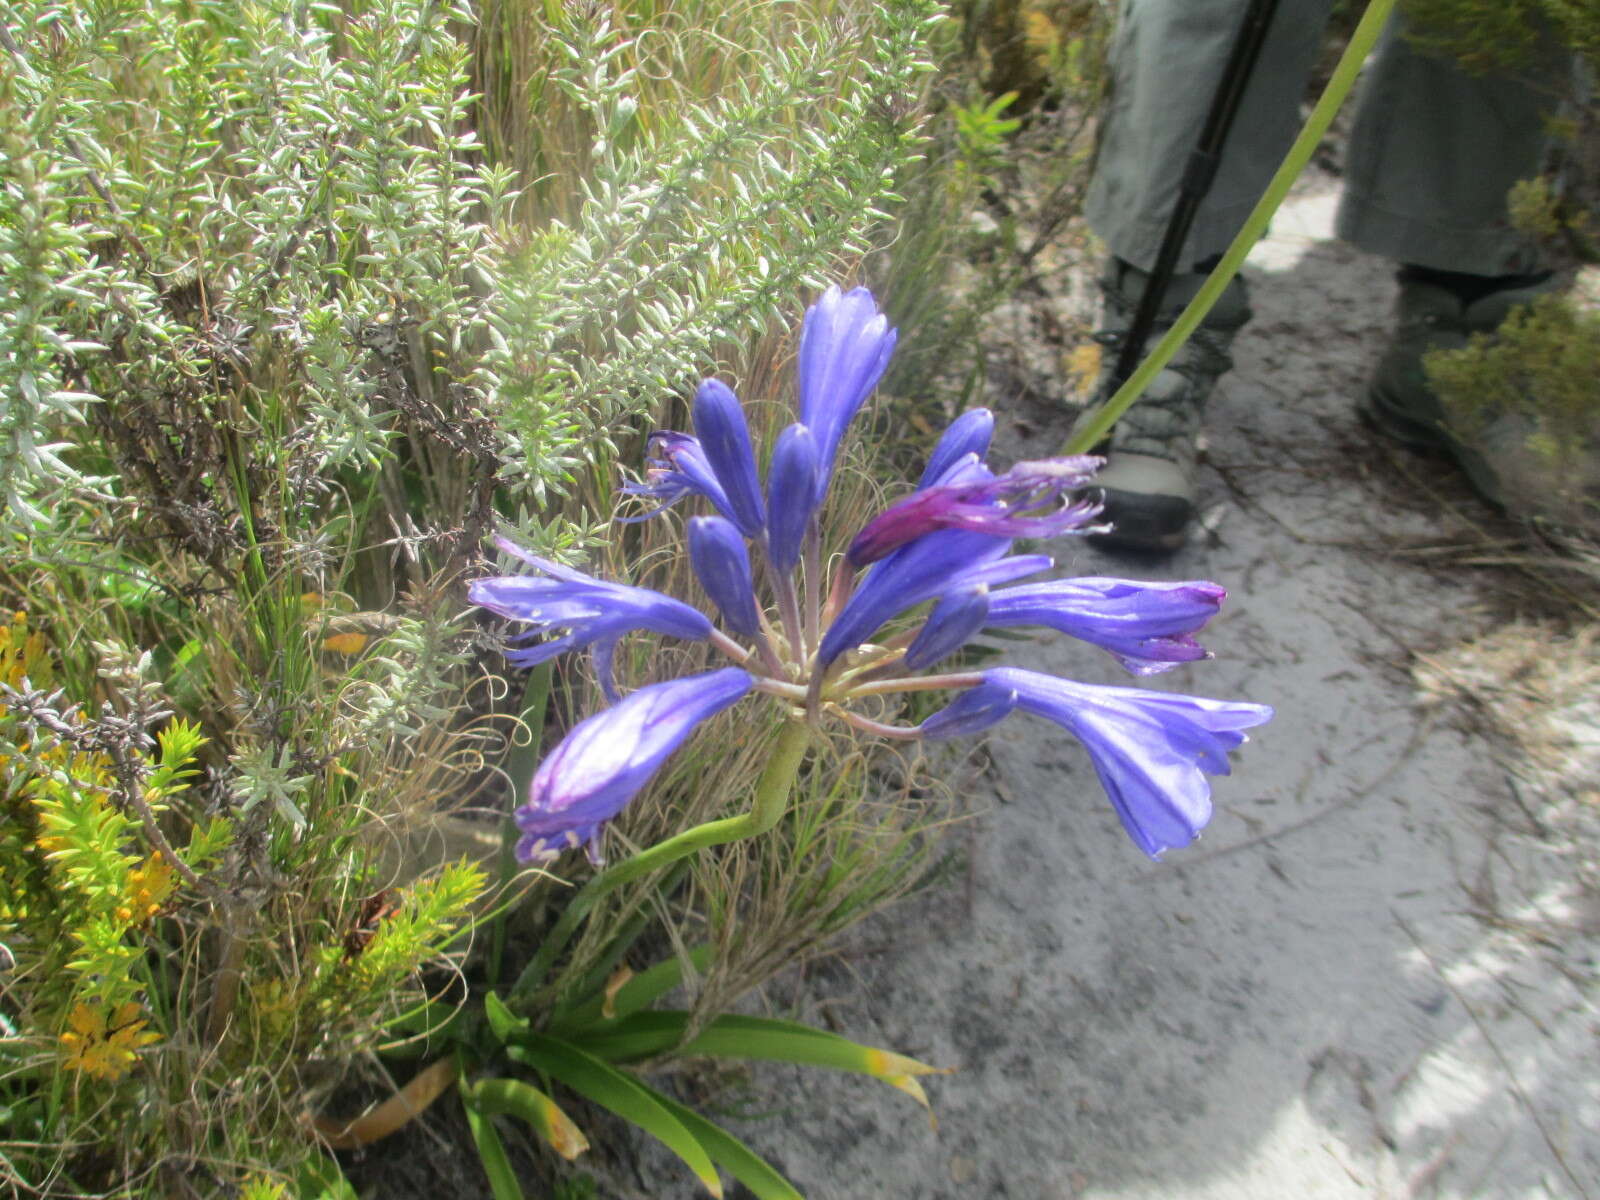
x=1374, y=976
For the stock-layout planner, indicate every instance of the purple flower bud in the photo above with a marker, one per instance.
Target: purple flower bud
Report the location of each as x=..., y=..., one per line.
x=591, y=610
x=1149, y=627
x=999, y=506
x=1151, y=750
x=725, y=440
x=955, y=619
x=605, y=759
x=972, y=712
x=722, y=565
x=941, y=562
x=845, y=346
x=967, y=434
x=791, y=495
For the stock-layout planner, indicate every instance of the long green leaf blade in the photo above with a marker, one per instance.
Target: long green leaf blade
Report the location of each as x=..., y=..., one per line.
x=743, y=1163
x=503, y=1183
x=625, y=1096
x=766, y=1038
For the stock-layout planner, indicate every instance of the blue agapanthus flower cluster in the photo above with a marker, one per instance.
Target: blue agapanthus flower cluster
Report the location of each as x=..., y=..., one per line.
x=811, y=643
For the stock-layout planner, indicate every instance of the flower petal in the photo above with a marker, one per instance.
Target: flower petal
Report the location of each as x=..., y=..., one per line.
x=591, y=610
x=725, y=440
x=1007, y=506
x=722, y=565
x=1148, y=626
x=971, y=712
x=936, y=563
x=955, y=619
x=967, y=434
x=606, y=759
x=1151, y=750
x=845, y=346
x=791, y=495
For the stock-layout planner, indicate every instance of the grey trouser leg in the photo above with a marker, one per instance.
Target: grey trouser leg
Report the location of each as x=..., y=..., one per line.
x=1165, y=64
x=1432, y=154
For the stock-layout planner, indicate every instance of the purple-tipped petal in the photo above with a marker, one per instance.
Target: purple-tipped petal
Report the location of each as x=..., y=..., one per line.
x=722, y=564
x=972, y=712
x=845, y=346
x=791, y=495
x=955, y=619
x=1151, y=750
x=967, y=434
x=941, y=562
x=590, y=610
x=603, y=762
x=1027, y=501
x=725, y=440
x=1148, y=627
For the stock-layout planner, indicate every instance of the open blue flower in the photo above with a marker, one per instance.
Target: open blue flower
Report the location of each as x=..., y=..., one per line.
x=680, y=469
x=1148, y=626
x=1151, y=750
x=590, y=610
x=605, y=759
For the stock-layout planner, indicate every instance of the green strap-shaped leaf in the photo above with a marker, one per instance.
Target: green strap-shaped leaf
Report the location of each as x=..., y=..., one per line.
x=493, y=1097
x=743, y=1163
x=732, y=1036
x=503, y=1183
x=623, y=1095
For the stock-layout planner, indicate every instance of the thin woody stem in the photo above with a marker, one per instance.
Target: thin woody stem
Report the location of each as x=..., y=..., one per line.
x=729, y=647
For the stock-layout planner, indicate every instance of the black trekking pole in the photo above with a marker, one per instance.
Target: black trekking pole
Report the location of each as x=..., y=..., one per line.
x=1198, y=175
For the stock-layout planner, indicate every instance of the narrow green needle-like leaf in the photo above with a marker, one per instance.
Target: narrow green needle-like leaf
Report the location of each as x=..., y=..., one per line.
x=623, y=1095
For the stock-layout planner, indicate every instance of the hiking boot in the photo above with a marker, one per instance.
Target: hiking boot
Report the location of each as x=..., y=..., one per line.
x=1150, y=473
x=1493, y=452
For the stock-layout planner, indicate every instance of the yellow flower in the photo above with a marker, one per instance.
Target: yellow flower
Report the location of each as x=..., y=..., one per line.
x=149, y=888
x=101, y=1047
